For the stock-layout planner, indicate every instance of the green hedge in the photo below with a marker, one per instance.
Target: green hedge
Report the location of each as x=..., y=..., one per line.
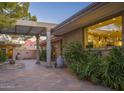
x=43, y=55
x=91, y=65
x=3, y=57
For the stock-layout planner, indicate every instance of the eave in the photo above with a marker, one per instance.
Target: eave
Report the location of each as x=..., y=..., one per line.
x=94, y=13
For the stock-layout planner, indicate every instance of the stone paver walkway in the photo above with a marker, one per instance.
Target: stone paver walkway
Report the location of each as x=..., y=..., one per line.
x=37, y=77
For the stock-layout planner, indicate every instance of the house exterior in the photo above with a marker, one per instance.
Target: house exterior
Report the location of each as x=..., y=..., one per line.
x=100, y=25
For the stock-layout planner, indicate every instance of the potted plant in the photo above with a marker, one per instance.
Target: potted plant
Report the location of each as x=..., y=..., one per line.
x=11, y=61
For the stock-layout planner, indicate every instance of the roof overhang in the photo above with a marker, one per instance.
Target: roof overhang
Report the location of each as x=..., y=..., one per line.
x=12, y=45
x=92, y=14
x=24, y=27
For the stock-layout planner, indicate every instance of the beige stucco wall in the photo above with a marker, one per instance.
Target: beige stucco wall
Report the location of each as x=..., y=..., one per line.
x=25, y=54
x=76, y=35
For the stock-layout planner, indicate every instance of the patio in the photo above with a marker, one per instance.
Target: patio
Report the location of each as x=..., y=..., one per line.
x=38, y=77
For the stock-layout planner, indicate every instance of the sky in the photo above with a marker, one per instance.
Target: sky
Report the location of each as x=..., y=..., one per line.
x=55, y=12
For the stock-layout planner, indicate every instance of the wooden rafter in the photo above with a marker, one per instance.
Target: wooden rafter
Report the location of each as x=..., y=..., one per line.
x=29, y=30
x=42, y=30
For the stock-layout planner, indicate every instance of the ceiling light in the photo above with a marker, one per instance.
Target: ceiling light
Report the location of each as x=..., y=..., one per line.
x=90, y=30
x=114, y=19
x=100, y=23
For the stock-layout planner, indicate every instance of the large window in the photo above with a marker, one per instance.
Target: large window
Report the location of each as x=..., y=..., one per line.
x=105, y=34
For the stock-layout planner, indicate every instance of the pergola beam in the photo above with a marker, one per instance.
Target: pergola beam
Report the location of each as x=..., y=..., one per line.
x=22, y=24
x=29, y=30
x=42, y=31
x=38, y=49
x=35, y=24
x=15, y=29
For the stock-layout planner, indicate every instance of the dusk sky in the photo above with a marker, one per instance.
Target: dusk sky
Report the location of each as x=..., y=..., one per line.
x=55, y=12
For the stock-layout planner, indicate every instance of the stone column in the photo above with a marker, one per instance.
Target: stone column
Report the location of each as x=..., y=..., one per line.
x=38, y=49
x=14, y=55
x=48, y=47
x=123, y=29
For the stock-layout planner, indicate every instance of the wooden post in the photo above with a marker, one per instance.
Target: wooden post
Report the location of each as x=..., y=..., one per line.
x=123, y=29
x=48, y=47
x=85, y=37
x=38, y=50
x=13, y=56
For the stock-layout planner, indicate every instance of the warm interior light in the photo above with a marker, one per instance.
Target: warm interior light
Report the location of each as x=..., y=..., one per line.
x=120, y=43
x=114, y=19
x=100, y=23
x=107, y=33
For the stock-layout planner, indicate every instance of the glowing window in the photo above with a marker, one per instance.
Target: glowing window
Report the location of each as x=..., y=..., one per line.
x=105, y=34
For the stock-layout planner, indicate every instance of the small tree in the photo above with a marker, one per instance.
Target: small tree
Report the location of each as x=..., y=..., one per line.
x=10, y=12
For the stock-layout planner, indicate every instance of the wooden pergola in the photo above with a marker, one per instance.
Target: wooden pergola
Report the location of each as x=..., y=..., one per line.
x=24, y=27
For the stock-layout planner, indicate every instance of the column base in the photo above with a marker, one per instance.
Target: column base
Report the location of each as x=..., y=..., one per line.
x=48, y=65
x=38, y=62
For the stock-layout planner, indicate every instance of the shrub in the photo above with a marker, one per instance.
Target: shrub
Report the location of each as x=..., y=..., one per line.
x=73, y=56
x=72, y=52
x=43, y=55
x=114, y=73
x=91, y=65
x=94, y=66
x=3, y=57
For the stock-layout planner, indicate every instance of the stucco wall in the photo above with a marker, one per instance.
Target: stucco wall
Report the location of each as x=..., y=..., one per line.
x=76, y=35
x=25, y=54
x=57, y=46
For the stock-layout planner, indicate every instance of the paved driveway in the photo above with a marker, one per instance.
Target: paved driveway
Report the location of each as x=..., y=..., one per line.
x=38, y=77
